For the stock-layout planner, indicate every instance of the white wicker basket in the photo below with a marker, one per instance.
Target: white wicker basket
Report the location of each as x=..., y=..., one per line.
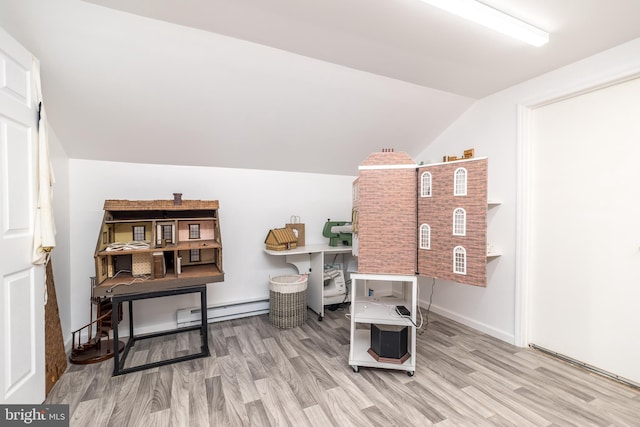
x=288, y=300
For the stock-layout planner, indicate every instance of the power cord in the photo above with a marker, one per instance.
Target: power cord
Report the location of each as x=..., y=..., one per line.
x=426, y=325
x=347, y=285
x=136, y=278
x=424, y=320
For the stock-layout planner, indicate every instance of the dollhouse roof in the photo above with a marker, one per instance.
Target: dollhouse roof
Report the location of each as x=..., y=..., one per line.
x=153, y=205
x=388, y=158
x=282, y=235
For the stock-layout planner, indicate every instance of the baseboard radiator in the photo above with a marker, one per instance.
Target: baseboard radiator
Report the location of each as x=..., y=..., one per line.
x=218, y=313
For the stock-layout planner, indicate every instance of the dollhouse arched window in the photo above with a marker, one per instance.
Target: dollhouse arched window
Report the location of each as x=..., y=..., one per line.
x=460, y=182
x=425, y=236
x=426, y=185
x=459, y=260
x=459, y=222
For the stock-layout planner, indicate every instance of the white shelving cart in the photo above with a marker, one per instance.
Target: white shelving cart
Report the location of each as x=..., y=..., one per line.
x=379, y=308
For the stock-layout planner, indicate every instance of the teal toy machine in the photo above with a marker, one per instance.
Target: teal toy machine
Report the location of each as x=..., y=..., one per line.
x=338, y=232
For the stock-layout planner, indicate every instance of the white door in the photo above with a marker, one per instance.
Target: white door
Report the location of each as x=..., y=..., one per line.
x=22, y=368
x=585, y=286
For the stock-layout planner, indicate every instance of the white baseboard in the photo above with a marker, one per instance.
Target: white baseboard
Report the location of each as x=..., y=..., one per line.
x=191, y=317
x=217, y=313
x=67, y=345
x=472, y=323
x=123, y=329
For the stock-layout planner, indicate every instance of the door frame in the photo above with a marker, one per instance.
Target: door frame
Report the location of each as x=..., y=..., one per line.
x=524, y=187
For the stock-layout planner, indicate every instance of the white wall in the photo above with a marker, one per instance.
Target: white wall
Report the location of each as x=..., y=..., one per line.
x=251, y=203
x=491, y=128
x=61, y=255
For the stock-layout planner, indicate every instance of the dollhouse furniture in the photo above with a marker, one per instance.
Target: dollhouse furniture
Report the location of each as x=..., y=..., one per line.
x=97, y=345
x=157, y=248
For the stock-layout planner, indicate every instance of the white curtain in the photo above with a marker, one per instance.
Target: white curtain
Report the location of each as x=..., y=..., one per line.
x=44, y=232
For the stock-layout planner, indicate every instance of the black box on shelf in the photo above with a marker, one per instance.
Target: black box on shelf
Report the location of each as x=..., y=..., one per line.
x=389, y=341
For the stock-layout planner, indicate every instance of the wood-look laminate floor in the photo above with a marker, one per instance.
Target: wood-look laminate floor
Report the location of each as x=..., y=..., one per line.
x=259, y=375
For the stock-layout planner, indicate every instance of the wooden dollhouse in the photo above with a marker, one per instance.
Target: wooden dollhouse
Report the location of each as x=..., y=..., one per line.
x=159, y=244
x=280, y=239
x=147, y=246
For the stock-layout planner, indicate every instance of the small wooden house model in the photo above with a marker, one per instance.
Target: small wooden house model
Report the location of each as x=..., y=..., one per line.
x=157, y=243
x=280, y=239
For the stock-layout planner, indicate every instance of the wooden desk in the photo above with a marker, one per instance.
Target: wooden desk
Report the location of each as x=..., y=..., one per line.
x=119, y=361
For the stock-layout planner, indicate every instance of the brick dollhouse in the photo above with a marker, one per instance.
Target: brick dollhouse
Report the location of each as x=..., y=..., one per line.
x=385, y=214
x=427, y=220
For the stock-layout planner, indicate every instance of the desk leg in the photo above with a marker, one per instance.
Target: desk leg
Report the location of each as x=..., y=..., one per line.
x=315, y=285
x=116, y=346
x=204, y=329
x=130, y=303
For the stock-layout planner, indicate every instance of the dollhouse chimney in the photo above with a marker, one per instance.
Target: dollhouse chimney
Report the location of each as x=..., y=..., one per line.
x=177, y=199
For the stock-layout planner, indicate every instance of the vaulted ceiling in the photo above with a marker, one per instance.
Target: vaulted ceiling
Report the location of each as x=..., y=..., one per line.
x=293, y=85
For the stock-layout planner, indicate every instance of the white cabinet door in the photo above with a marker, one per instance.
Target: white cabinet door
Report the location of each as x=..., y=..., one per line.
x=22, y=375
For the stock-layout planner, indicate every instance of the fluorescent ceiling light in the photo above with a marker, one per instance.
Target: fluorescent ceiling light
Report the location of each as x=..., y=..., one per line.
x=492, y=18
